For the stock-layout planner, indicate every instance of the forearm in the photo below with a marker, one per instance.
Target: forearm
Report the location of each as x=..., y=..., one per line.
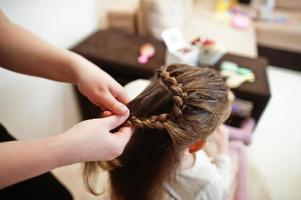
x=21, y=160
x=24, y=52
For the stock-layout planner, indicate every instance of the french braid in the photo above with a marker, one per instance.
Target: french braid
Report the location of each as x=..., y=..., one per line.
x=154, y=122
x=158, y=121
x=176, y=88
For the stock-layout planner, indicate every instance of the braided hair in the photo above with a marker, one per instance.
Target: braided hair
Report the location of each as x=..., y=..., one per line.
x=157, y=121
x=181, y=105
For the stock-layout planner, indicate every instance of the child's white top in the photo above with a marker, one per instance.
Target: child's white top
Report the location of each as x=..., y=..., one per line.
x=206, y=180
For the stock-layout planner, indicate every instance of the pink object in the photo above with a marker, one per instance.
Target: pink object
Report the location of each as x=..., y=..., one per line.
x=244, y=133
x=238, y=136
x=241, y=22
x=146, y=52
x=208, y=42
x=237, y=149
x=142, y=59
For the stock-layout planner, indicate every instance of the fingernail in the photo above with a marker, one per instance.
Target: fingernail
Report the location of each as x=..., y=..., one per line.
x=122, y=108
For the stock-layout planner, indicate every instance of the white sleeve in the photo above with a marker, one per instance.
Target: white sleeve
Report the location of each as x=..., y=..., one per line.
x=216, y=173
x=223, y=165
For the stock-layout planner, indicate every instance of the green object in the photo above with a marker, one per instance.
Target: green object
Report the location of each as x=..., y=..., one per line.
x=229, y=66
x=233, y=67
x=243, y=71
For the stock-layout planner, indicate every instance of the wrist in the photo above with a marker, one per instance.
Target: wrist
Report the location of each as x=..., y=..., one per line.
x=75, y=64
x=81, y=67
x=65, y=150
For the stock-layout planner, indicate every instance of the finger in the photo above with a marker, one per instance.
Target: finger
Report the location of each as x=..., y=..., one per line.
x=123, y=97
x=111, y=104
x=107, y=114
x=120, y=94
x=92, y=99
x=114, y=121
x=123, y=135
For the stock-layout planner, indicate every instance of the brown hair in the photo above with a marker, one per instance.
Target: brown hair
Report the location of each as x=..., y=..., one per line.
x=181, y=105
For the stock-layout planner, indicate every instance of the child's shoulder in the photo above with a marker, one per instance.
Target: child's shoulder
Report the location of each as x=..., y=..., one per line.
x=202, y=159
x=203, y=168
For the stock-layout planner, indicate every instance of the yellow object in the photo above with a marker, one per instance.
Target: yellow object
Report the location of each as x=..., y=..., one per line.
x=224, y=5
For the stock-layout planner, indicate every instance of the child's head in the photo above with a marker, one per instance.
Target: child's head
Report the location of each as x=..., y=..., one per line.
x=181, y=106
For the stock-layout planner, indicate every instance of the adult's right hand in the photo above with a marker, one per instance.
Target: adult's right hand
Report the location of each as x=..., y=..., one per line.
x=92, y=140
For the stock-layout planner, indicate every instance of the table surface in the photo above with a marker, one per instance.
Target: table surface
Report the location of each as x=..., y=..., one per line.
x=258, y=66
x=122, y=49
x=117, y=53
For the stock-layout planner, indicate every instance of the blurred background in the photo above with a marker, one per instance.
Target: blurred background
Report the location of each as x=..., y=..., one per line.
x=260, y=39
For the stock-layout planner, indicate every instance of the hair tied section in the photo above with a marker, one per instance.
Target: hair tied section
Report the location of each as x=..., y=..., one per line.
x=154, y=122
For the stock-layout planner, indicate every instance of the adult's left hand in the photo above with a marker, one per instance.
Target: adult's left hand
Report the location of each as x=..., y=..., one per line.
x=100, y=88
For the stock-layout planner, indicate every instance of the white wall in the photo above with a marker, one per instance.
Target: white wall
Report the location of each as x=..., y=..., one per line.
x=33, y=107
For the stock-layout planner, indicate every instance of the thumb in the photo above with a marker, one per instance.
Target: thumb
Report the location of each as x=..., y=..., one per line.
x=123, y=135
x=114, y=121
x=110, y=103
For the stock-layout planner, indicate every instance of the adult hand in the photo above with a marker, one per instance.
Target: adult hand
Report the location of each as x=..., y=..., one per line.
x=100, y=88
x=92, y=140
x=58, y=64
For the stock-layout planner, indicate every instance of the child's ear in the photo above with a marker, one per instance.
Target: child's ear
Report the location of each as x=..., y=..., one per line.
x=197, y=146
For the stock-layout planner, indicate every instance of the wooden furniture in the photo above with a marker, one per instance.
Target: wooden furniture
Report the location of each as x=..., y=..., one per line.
x=257, y=92
x=116, y=53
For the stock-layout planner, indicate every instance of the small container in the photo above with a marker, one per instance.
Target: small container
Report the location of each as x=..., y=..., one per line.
x=178, y=50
